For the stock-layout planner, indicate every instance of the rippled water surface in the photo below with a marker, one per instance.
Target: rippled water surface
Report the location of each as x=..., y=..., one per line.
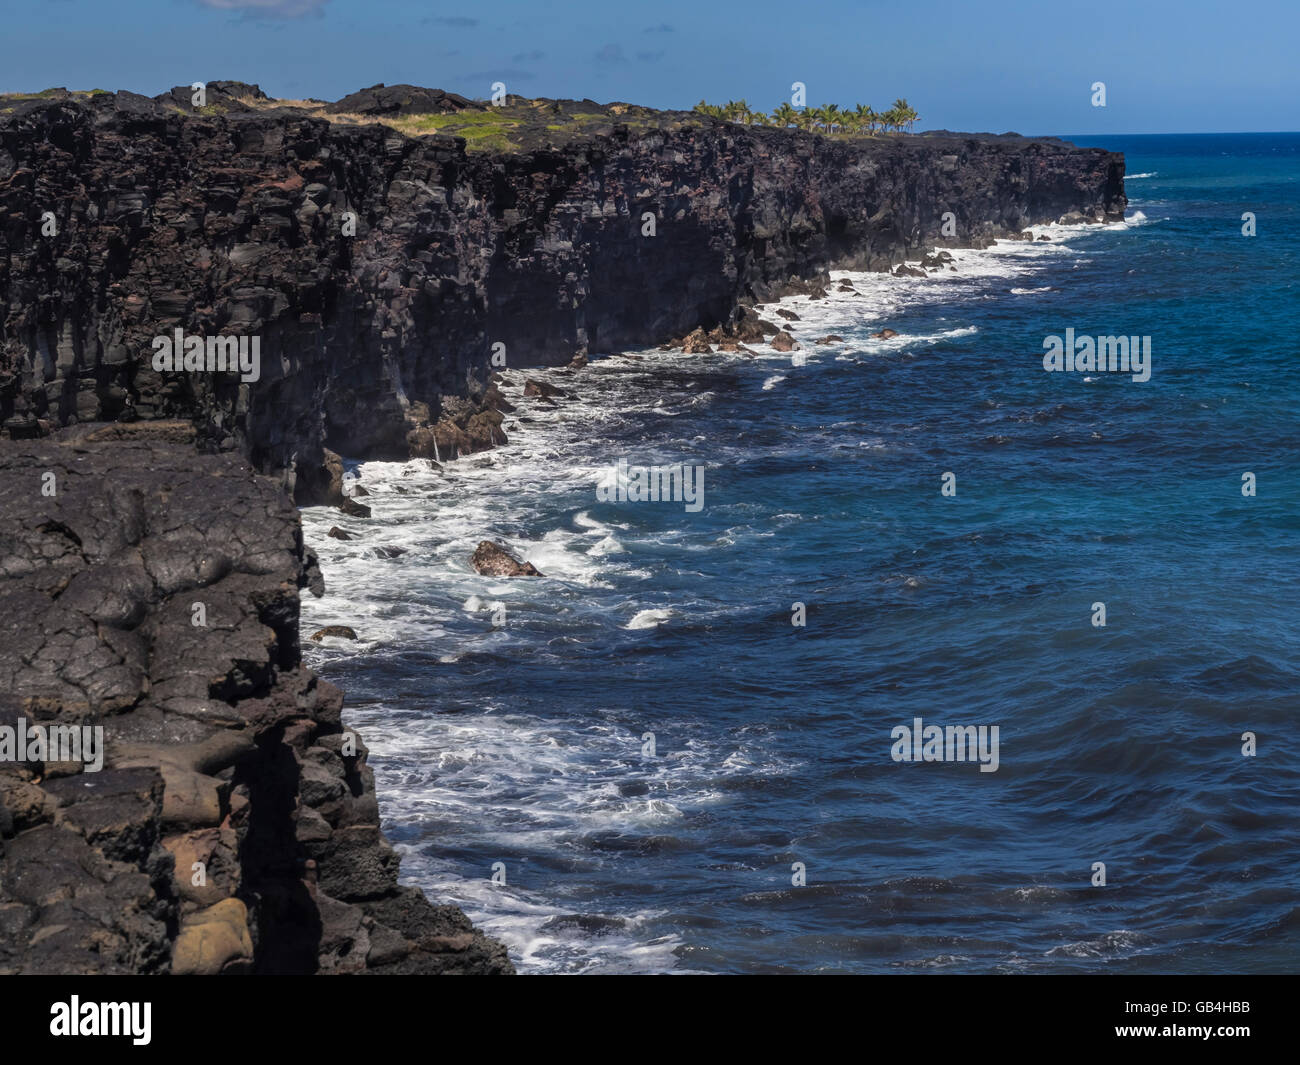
x=522, y=743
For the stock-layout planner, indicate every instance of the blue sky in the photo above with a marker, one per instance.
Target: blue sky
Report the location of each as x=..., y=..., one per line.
x=1024, y=65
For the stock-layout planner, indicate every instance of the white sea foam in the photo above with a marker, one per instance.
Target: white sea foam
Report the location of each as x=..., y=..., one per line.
x=649, y=619
x=1139, y=177
x=500, y=781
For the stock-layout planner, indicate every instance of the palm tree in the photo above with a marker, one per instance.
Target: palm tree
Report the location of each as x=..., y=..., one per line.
x=866, y=117
x=905, y=115
x=757, y=118
x=785, y=115
x=833, y=117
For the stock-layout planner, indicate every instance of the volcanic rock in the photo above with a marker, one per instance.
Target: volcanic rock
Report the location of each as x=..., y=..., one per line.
x=493, y=560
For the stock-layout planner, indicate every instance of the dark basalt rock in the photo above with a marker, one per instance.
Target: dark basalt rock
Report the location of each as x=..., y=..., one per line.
x=543, y=389
x=232, y=221
x=783, y=341
x=219, y=746
x=384, y=99
x=493, y=560
x=342, y=632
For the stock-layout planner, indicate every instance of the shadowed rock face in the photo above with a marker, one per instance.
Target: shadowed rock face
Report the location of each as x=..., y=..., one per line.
x=234, y=224
x=220, y=747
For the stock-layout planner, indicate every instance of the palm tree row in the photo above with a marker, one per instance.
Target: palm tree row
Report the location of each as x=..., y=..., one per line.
x=828, y=119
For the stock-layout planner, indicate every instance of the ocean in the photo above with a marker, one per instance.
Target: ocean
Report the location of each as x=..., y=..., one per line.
x=640, y=763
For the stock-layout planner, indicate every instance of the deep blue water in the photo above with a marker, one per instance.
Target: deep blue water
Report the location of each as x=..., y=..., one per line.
x=522, y=743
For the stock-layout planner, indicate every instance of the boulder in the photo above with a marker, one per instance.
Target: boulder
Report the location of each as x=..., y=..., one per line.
x=697, y=344
x=493, y=560
x=343, y=632
x=783, y=341
x=533, y=387
x=214, y=940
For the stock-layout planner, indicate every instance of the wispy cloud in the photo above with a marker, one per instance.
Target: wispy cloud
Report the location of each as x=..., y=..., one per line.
x=650, y=57
x=268, y=8
x=611, y=53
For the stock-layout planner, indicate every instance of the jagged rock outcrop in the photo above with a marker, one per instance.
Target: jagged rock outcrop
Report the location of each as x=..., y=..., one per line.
x=382, y=272
x=152, y=592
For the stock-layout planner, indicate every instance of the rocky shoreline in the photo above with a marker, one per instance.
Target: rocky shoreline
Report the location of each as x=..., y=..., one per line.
x=153, y=556
x=233, y=826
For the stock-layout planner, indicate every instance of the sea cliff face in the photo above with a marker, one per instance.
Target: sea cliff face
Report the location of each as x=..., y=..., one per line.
x=380, y=274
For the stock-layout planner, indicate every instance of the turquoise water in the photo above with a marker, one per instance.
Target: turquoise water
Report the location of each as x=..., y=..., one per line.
x=521, y=743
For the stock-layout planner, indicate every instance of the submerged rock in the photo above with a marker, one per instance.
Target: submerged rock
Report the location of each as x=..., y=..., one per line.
x=590, y=924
